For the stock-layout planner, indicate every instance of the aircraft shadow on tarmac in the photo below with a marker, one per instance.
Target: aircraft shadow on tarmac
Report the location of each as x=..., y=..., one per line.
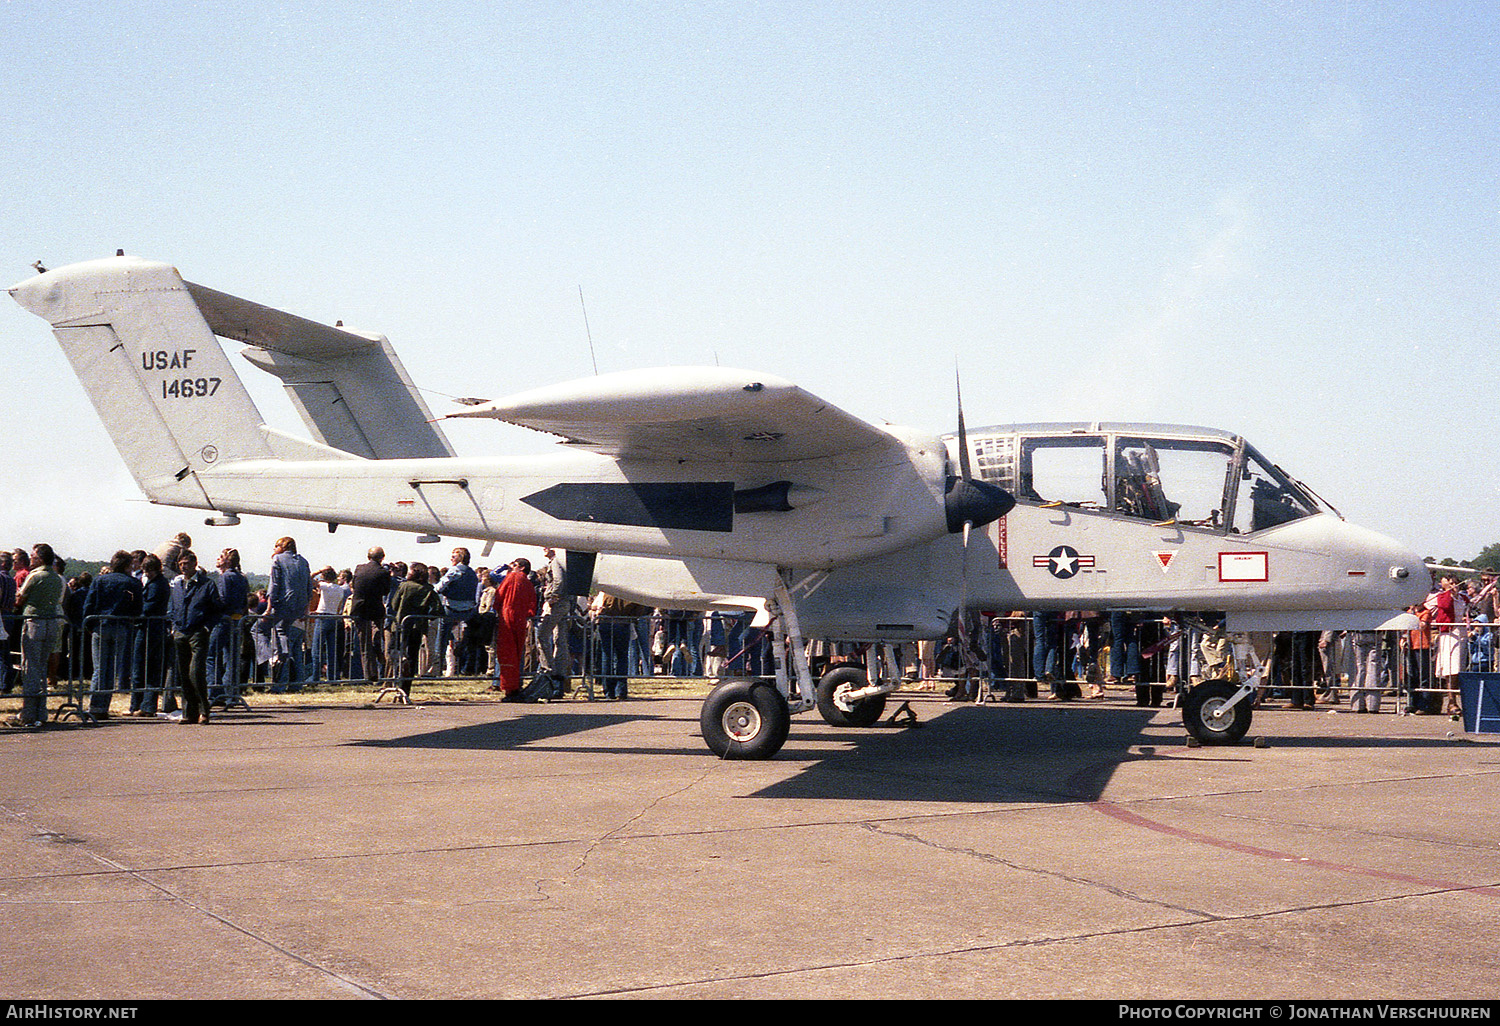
x=973, y=754
x=1029, y=754
x=957, y=754
x=504, y=734
x=1372, y=742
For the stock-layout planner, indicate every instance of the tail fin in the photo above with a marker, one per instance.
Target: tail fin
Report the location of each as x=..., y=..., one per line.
x=153, y=369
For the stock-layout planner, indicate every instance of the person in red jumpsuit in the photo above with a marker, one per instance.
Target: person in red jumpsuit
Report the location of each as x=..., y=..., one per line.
x=515, y=604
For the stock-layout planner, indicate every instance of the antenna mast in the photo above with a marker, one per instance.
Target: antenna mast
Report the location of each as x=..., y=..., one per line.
x=587, y=332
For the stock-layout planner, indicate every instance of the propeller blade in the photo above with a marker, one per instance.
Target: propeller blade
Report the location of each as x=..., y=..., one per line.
x=971, y=503
x=965, y=644
x=964, y=471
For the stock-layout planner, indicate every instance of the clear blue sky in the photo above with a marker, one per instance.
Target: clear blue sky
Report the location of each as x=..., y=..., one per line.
x=1274, y=218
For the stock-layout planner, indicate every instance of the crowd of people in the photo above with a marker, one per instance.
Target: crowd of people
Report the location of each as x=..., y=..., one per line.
x=1075, y=655
x=155, y=625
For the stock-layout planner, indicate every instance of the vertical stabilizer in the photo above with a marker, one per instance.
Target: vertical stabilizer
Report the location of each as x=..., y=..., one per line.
x=153, y=369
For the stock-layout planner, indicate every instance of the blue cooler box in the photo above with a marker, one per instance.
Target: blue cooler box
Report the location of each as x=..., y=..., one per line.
x=1480, y=693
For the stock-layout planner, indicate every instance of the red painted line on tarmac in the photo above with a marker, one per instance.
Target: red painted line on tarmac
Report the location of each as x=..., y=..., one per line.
x=1135, y=819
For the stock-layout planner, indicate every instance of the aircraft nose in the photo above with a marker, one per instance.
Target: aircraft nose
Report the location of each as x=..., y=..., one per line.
x=1385, y=559
x=1409, y=571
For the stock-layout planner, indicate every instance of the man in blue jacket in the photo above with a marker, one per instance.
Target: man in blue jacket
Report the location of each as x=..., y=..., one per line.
x=110, y=610
x=151, y=650
x=225, y=640
x=196, y=607
x=459, y=590
x=287, y=599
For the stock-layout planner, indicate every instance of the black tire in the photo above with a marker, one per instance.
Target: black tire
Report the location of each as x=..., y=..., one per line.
x=1200, y=713
x=745, y=719
x=851, y=678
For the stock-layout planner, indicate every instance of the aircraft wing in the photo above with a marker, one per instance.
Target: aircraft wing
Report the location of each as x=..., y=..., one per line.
x=689, y=413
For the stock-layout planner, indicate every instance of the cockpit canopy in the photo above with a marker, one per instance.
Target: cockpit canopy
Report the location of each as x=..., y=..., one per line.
x=1188, y=476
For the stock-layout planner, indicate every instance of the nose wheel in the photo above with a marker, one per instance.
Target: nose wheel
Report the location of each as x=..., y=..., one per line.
x=834, y=690
x=1212, y=715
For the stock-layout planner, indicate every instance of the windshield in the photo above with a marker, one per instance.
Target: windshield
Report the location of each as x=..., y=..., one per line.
x=1266, y=497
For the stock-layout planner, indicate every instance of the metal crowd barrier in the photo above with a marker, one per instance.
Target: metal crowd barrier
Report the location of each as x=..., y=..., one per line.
x=690, y=647
x=1322, y=668
x=325, y=648
x=128, y=653
x=56, y=676
x=1473, y=648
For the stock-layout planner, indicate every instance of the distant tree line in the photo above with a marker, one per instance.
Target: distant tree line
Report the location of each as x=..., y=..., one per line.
x=92, y=567
x=1488, y=559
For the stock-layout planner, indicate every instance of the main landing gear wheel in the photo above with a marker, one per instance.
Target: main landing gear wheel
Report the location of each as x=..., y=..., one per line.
x=1206, y=719
x=745, y=719
x=837, y=683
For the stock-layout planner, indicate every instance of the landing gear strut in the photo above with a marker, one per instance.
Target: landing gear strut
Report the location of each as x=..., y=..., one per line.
x=1217, y=712
x=750, y=719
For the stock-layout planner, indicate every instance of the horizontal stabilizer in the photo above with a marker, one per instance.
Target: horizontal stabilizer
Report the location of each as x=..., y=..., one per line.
x=350, y=388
